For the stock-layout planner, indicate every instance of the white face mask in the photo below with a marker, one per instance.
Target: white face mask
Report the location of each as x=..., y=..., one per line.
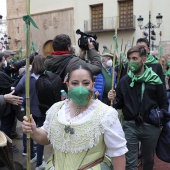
x=109, y=63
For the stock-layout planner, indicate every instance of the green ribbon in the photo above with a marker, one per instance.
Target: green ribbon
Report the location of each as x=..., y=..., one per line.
x=151, y=60
x=33, y=47
x=28, y=20
x=115, y=40
x=20, y=52
x=148, y=76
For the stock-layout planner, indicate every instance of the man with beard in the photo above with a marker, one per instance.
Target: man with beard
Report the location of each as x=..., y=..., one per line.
x=141, y=96
x=151, y=60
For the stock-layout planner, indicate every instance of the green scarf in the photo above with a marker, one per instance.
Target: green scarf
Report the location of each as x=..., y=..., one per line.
x=151, y=60
x=148, y=76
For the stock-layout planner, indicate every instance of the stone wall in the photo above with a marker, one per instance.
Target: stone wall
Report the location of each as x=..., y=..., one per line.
x=15, y=24
x=50, y=24
x=53, y=23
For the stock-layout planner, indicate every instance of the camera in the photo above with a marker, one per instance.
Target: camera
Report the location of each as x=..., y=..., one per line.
x=83, y=40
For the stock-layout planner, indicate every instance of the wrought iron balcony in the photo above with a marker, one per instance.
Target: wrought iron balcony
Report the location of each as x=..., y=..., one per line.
x=108, y=24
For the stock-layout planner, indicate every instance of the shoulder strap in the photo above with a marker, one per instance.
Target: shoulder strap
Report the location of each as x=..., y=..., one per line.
x=63, y=65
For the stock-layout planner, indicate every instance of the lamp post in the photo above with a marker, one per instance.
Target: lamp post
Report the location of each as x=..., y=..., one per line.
x=1, y=18
x=6, y=40
x=150, y=26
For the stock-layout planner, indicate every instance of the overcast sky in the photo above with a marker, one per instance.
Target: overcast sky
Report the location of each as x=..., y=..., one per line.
x=3, y=8
x=3, y=13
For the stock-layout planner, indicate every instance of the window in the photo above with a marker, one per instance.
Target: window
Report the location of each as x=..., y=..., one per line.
x=125, y=13
x=97, y=17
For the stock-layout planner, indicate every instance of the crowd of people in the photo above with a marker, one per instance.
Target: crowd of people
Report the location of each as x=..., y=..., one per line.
x=84, y=129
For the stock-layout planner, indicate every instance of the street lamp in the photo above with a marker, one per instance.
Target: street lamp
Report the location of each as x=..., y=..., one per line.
x=150, y=26
x=6, y=40
x=1, y=18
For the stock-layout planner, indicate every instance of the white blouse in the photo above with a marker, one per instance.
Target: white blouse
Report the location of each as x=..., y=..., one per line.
x=114, y=137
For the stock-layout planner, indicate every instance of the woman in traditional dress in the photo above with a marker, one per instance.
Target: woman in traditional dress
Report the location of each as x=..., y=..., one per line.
x=83, y=132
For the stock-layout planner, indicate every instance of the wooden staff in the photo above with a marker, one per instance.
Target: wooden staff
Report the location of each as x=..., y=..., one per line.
x=114, y=59
x=111, y=48
x=160, y=55
x=131, y=47
x=120, y=64
x=27, y=84
x=125, y=49
x=132, y=41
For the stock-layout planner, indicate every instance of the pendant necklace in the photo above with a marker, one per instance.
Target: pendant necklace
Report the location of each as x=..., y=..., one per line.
x=77, y=111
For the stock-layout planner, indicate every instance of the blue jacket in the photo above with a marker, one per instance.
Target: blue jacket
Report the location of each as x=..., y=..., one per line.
x=100, y=83
x=20, y=88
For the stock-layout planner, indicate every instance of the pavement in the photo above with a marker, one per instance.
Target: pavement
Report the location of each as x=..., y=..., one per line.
x=158, y=164
x=18, y=157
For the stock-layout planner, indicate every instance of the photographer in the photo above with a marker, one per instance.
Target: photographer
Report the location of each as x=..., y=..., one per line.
x=62, y=47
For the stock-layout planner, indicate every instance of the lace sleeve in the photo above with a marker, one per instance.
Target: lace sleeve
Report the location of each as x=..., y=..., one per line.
x=49, y=116
x=109, y=117
x=113, y=134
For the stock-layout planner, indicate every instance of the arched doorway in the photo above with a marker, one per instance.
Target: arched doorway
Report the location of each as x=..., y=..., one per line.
x=47, y=48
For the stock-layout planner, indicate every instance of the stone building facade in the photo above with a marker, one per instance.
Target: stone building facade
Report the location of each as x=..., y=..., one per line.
x=15, y=24
x=92, y=16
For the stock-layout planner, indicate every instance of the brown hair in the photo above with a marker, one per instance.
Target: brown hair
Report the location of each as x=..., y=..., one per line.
x=140, y=49
x=77, y=67
x=38, y=64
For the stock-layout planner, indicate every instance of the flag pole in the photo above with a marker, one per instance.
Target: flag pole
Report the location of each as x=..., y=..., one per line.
x=120, y=64
x=131, y=47
x=27, y=83
x=114, y=58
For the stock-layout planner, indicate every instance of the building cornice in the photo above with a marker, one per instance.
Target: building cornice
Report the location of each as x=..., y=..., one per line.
x=52, y=11
x=40, y=13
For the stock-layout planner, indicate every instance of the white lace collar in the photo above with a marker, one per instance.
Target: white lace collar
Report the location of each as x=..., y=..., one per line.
x=81, y=115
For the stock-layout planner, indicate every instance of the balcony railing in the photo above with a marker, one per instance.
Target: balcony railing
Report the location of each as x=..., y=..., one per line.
x=108, y=24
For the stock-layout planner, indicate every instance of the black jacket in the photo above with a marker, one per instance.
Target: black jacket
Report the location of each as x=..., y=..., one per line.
x=129, y=99
x=5, y=87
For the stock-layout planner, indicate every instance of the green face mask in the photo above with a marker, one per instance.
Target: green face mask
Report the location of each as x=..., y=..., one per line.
x=79, y=95
x=135, y=67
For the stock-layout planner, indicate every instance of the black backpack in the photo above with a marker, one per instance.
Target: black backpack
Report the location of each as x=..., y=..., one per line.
x=49, y=85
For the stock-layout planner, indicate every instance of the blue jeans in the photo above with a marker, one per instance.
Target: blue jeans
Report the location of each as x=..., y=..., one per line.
x=148, y=135
x=40, y=148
